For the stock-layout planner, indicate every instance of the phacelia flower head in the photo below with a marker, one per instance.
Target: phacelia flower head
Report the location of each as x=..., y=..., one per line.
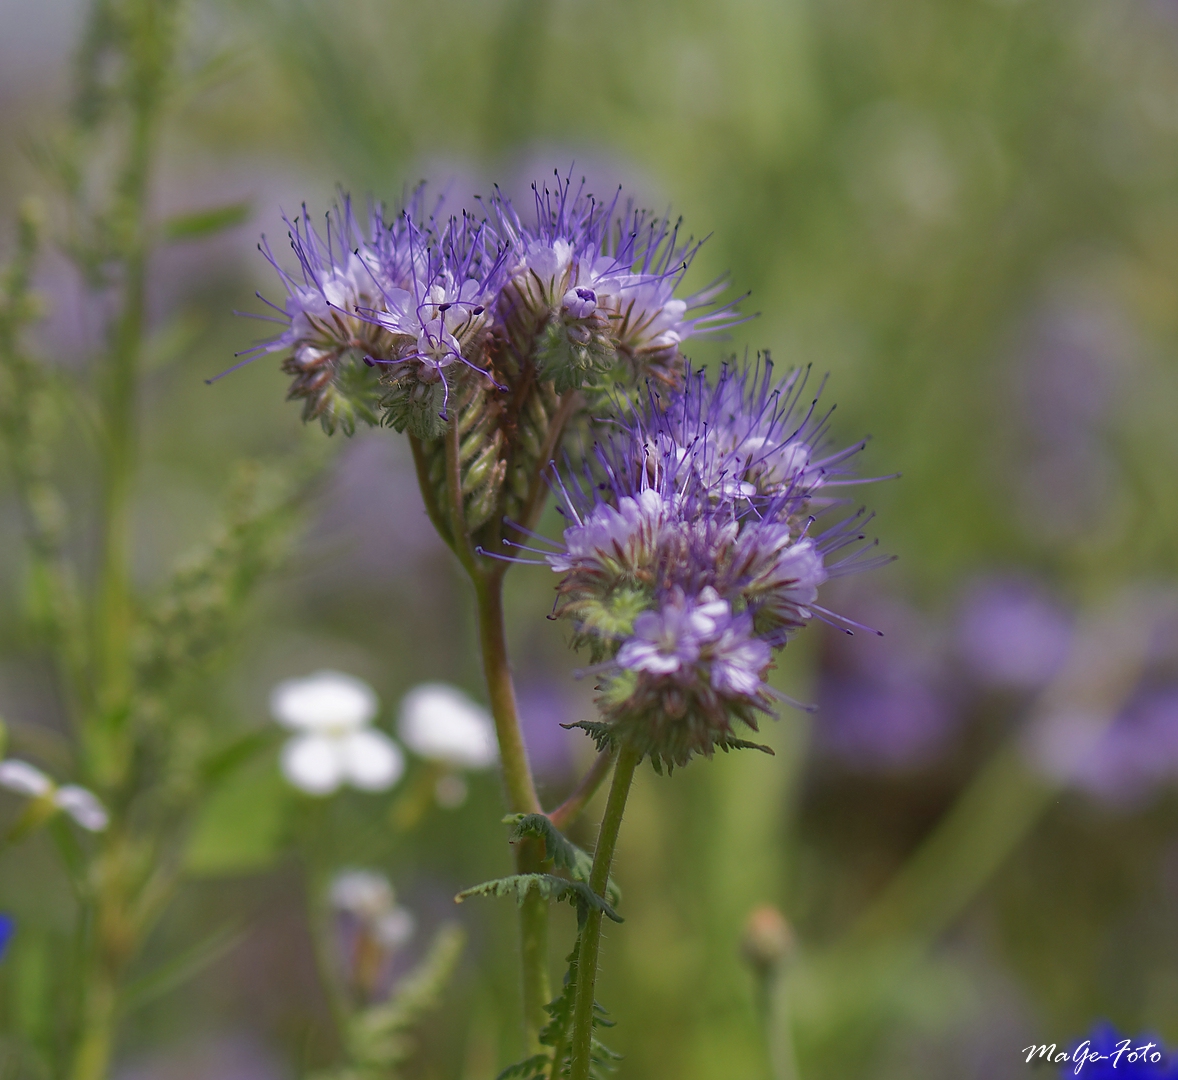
x=692, y=552
x=593, y=285
x=386, y=319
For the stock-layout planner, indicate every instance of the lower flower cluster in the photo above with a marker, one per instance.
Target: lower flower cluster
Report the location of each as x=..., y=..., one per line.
x=691, y=555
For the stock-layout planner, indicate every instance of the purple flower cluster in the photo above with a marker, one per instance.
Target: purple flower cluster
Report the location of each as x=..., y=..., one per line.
x=692, y=554
x=385, y=321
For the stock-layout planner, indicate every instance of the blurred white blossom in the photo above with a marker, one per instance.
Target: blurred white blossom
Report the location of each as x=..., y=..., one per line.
x=336, y=744
x=364, y=893
x=79, y=803
x=440, y=723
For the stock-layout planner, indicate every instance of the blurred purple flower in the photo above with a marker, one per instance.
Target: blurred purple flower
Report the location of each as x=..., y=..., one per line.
x=871, y=724
x=882, y=702
x=543, y=707
x=1011, y=635
x=1137, y=753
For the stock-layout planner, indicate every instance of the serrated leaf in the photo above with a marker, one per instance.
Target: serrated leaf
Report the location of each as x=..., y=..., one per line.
x=380, y=1038
x=536, y=1065
x=556, y=1032
x=549, y=886
x=558, y=849
x=601, y=734
x=744, y=744
x=206, y=222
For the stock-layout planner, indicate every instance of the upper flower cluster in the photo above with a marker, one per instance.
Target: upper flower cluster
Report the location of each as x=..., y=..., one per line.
x=389, y=318
x=692, y=553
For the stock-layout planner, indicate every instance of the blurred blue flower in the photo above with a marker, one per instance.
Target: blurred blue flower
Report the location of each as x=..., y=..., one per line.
x=1010, y=635
x=884, y=703
x=7, y=929
x=1137, y=753
x=1107, y=1055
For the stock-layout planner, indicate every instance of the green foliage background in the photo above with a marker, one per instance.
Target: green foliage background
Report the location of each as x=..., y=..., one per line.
x=908, y=190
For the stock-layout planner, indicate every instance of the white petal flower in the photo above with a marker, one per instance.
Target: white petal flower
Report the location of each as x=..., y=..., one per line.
x=362, y=892
x=23, y=778
x=325, y=701
x=313, y=764
x=371, y=760
x=450, y=791
x=394, y=928
x=83, y=806
x=440, y=723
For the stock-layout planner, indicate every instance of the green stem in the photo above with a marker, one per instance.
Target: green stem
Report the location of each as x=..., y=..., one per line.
x=517, y=773
x=96, y=1038
x=521, y=795
x=603, y=854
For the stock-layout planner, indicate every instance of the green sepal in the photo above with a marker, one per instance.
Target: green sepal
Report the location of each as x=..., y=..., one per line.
x=416, y=407
x=355, y=395
x=570, y=363
x=558, y=849
x=548, y=886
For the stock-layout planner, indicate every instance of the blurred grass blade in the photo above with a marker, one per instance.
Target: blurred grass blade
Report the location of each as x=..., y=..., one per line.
x=206, y=222
x=186, y=966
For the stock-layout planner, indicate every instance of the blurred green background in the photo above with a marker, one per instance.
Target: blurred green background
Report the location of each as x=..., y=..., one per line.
x=966, y=212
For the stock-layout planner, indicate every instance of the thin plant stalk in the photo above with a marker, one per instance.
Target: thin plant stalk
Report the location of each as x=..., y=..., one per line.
x=603, y=855
x=521, y=795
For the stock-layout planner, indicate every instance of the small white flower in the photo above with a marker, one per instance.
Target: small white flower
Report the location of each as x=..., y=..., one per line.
x=440, y=723
x=336, y=746
x=394, y=928
x=24, y=779
x=362, y=892
x=450, y=791
x=325, y=699
x=368, y=896
x=82, y=805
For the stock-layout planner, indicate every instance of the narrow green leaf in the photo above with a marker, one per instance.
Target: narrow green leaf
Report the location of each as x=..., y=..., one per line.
x=206, y=222
x=176, y=972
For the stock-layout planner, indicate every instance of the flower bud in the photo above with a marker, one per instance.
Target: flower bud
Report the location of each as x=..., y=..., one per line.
x=768, y=940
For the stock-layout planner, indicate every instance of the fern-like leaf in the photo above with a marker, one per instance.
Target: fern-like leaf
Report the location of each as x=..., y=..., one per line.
x=537, y=1065
x=379, y=1039
x=548, y=886
x=558, y=849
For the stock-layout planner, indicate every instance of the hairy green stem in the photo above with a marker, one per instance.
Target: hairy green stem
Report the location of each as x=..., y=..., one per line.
x=603, y=855
x=521, y=794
